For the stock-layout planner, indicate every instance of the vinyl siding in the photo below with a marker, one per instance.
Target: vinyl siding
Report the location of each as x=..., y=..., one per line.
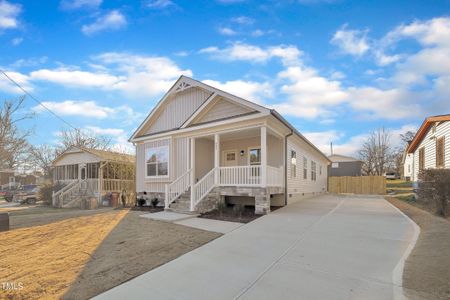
x=178, y=109
x=223, y=109
x=297, y=186
x=429, y=143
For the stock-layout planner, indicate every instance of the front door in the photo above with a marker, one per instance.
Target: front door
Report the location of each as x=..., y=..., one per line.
x=83, y=172
x=229, y=158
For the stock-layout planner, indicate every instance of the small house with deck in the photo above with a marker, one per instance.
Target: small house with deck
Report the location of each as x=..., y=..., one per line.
x=91, y=174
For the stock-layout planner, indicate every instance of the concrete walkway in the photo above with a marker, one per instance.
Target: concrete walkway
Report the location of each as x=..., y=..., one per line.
x=329, y=247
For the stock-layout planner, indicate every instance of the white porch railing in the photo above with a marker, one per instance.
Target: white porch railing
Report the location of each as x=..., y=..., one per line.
x=240, y=176
x=275, y=176
x=57, y=195
x=202, y=188
x=177, y=188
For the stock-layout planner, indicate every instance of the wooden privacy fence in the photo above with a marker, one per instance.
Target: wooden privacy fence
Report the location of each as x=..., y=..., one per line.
x=368, y=185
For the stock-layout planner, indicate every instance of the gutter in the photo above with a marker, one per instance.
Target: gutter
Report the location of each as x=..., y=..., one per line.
x=285, y=167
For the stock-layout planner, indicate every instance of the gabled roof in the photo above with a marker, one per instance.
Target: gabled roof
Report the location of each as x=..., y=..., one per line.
x=342, y=158
x=103, y=155
x=184, y=83
x=424, y=129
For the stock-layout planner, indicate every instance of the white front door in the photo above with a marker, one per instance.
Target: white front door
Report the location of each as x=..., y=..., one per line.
x=229, y=158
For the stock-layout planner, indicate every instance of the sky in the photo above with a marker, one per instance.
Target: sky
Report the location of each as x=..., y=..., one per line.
x=336, y=69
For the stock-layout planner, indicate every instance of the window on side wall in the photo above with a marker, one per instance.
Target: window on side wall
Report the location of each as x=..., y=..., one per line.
x=293, y=164
x=421, y=159
x=313, y=171
x=440, y=152
x=157, y=161
x=305, y=168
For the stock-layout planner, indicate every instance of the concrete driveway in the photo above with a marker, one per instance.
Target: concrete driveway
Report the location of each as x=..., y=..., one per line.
x=328, y=247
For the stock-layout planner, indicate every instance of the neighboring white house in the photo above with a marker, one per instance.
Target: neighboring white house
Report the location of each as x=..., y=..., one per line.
x=430, y=147
x=91, y=173
x=408, y=166
x=200, y=145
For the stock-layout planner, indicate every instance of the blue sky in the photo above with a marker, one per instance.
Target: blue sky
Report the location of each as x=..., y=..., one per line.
x=335, y=69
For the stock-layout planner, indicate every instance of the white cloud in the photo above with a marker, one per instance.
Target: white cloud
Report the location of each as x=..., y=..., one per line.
x=16, y=41
x=76, y=78
x=77, y=4
x=226, y=31
x=159, y=4
x=8, y=87
x=353, y=42
x=243, y=20
x=310, y=95
x=77, y=108
x=249, y=90
x=8, y=15
x=323, y=140
x=289, y=55
x=113, y=20
x=105, y=131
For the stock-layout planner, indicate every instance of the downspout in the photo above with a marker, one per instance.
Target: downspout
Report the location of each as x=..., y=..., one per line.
x=285, y=167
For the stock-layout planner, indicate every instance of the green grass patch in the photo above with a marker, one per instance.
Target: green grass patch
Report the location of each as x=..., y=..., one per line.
x=398, y=184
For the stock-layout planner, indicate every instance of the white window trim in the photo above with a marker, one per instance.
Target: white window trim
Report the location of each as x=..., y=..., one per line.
x=169, y=146
x=296, y=163
x=248, y=155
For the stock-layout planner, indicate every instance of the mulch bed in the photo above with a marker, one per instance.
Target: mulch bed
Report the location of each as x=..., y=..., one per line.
x=427, y=270
x=228, y=214
x=149, y=209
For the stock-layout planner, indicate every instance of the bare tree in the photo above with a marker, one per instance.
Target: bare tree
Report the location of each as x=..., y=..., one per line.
x=407, y=137
x=13, y=141
x=42, y=157
x=376, y=152
x=82, y=138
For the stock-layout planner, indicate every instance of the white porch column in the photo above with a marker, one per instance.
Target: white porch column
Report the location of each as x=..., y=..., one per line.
x=192, y=172
x=216, y=158
x=263, y=156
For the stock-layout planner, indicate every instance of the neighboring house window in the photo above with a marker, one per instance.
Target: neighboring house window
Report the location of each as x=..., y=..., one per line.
x=421, y=158
x=157, y=161
x=335, y=165
x=313, y=171
x=440, y=162
x=305, y=168
x=255, y=156
x=293, y=164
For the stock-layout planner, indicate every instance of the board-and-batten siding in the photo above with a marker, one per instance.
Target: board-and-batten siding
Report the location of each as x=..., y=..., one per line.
x=223, y=109
x=299, y=187
x=178, y=164
x=178, y=109
x=429, y=143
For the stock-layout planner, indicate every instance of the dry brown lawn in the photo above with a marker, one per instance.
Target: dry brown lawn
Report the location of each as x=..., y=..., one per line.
x=80, y=257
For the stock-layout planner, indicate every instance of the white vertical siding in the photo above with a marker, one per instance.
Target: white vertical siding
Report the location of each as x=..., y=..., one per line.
x=223, y=109
x=429, y=143
x=178, y=109
x=298, y=186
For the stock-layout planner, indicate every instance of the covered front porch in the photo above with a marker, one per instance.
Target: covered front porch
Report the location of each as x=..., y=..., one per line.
x=245, y=162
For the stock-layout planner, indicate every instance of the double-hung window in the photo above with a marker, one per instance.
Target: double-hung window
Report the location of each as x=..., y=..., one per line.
x=313, y=171
x=157, y=161
x=293, y=164
x=305, y=168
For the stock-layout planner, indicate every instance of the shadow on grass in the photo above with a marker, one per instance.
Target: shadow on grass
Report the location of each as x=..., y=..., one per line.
x=135, y=246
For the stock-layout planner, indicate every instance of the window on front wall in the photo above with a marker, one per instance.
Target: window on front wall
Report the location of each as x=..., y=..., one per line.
x=313, y=171
x=293, y=164
x=157, y=161
x=440, y=159
x=255, y=156
x=305, y=168
x=421, y=159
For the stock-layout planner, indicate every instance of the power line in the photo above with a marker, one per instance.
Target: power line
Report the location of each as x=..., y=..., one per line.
x=39, y=102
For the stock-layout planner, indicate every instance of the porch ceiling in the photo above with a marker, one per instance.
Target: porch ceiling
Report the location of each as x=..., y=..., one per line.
x=241, y=134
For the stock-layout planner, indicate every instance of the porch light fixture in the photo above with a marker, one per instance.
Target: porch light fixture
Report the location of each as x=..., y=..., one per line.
x=242, y=152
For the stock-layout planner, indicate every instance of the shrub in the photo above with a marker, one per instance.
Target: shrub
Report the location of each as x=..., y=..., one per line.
x=46, y=191
x=238, y=209
x=141, y=202
x=155, y=202
x=221, y=206
x=434, y=190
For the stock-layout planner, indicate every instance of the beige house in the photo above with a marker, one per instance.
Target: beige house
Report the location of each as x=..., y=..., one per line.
x=83, y=173
x=201, y=145
x=430, y=147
